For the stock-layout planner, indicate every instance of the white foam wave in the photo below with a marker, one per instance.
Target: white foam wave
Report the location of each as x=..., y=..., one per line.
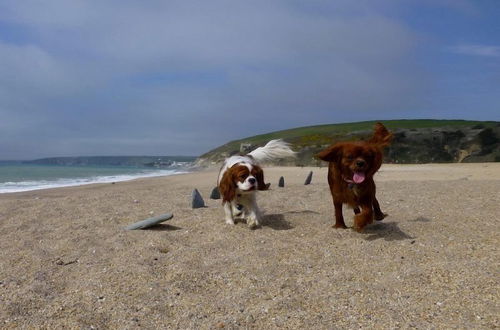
x=10, y=187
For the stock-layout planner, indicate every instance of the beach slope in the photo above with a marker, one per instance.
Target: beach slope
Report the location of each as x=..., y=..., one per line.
x=66, y=260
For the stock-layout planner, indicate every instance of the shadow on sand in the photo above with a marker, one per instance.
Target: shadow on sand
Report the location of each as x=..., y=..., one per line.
x=162, y=227
x=276, y=222
x=389, y=231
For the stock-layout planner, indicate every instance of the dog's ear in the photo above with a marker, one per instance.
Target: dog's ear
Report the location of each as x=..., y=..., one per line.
x=381, y=135
x=259, y=175
x=331, y=154
x=227, y=186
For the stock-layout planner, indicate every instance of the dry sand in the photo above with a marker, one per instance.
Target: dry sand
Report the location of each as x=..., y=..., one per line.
x=65, y=260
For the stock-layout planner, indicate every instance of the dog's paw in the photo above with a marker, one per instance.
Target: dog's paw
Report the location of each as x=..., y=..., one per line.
x=358, y=229
x=339, y=225
x=253, y=223
x=380, y=216
x=361, y=221
x=229, y=221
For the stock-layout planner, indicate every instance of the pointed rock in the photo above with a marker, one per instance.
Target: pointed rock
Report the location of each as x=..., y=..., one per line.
x=281, y=183
x=197, y=200
x=215, y=193
x=309, y=178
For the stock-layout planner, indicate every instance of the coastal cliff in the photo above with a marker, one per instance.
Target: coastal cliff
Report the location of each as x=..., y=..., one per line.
x=415, y=141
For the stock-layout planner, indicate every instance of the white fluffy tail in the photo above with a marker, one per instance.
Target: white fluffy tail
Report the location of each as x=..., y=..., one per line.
x=274, y=149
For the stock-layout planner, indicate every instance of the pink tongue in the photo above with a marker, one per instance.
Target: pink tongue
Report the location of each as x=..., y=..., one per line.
x=358, y=177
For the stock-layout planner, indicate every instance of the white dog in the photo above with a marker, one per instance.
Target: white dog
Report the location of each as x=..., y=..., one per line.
x=241, y=176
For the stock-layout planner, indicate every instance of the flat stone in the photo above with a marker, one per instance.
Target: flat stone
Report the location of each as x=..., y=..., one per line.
x=281, y=183
x=150, y=222
x=197, y=200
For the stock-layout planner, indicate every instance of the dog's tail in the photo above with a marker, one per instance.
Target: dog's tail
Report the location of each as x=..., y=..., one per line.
x=274, y=149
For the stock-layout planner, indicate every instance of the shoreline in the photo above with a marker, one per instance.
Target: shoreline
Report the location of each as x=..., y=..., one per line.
x=433, y=171
x=27, y=186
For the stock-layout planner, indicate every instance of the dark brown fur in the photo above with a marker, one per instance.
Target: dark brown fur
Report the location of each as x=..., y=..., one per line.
x=344, y=159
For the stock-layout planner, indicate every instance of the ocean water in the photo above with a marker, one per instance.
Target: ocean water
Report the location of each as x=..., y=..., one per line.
x=26, y=177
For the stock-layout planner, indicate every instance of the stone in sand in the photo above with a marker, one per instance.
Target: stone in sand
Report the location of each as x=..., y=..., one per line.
x=281, y=183
x=309, y=178
x=215, y=193
x=150, y=222
x=197, y=200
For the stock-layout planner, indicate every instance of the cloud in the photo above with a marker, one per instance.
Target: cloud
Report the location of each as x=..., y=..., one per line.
x=477, y=50
x=184, y=76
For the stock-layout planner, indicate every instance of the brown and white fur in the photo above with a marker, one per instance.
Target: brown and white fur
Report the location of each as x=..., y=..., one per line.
x=241, y=176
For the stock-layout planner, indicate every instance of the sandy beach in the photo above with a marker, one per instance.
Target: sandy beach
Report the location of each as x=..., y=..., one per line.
x=66, y=260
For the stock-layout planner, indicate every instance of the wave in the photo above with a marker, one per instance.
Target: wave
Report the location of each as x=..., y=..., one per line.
x=11, y=187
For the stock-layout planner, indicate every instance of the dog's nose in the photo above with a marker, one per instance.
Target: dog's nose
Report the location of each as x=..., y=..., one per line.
x=251, y=180
x=360, y=163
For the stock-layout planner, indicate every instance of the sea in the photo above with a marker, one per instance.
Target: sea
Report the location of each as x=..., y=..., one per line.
x=19, y=176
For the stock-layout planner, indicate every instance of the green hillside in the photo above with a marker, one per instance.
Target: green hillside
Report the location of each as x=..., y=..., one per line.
x=416, y=141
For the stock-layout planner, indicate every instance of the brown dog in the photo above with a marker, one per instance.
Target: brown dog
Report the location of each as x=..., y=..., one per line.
x=350, y=176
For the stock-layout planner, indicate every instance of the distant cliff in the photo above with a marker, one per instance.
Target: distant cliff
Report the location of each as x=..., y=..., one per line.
x=415, y=141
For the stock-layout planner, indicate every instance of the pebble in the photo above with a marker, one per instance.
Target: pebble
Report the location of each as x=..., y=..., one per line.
x=215, y=193
x=250, y=318
x=309, y=178
x=196, y=200
x=150, y=222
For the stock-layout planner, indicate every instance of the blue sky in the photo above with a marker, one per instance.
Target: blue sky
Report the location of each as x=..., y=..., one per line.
x=181, y=77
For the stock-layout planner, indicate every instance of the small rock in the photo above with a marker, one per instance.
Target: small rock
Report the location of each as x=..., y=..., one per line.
x=136, y=201
x=281, y=183
x=197, y=200
x=309, y=178
x=215, y=193
x=220, y=325
x=150, y=222
x=250, y=318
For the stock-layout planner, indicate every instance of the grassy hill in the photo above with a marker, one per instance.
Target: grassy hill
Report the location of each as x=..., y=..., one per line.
x=416, y=141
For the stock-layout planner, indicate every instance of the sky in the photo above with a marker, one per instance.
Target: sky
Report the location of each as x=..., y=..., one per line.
x=167, y=77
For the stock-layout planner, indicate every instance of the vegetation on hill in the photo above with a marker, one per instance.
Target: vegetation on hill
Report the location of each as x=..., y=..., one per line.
x=415, y=141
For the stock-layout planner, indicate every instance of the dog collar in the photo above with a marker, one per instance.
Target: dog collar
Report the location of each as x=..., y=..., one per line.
x=350, y=184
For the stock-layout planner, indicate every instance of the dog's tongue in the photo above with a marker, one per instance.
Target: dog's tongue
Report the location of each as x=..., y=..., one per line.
x=358, y=177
